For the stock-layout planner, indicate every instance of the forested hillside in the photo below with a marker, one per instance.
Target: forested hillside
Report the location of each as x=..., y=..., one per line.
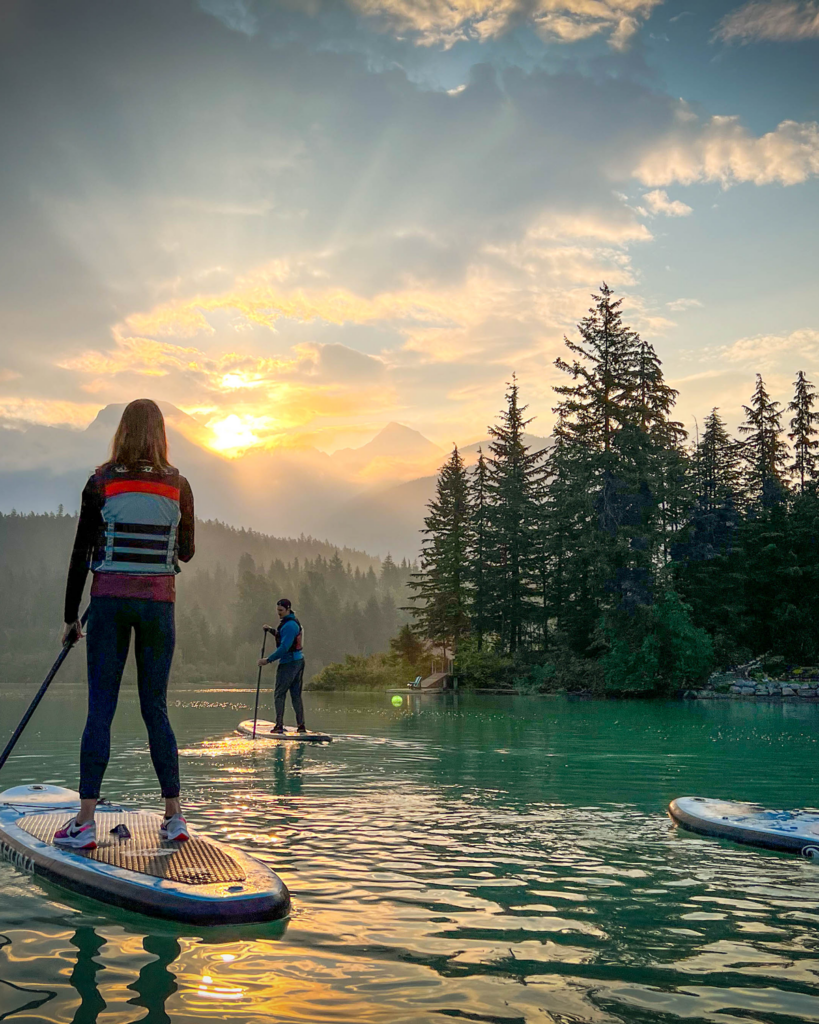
x=348, y=602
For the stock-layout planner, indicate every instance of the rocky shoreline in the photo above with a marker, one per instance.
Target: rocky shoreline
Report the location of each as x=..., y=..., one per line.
x=791, y=690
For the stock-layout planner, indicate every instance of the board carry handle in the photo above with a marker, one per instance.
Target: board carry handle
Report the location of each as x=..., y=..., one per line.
x=68, y=643
x=258, y=684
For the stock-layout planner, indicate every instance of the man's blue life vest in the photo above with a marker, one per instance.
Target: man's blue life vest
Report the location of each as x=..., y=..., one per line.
x=140, y=513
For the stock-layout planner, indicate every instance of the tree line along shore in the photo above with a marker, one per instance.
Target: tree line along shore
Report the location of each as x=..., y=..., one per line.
x=627, y=558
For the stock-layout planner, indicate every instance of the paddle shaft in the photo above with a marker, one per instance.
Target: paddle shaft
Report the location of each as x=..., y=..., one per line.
x=258, y=686
x=55, y=668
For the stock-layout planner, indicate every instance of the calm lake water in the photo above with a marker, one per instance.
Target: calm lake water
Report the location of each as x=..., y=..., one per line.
x=459, y=858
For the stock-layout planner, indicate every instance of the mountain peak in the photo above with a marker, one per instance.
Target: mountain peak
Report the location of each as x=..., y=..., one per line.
x=403, y=434
x=109, y=416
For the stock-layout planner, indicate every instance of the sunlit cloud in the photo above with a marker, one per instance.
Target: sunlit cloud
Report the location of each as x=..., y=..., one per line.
x=774, y=20
x=47, y=412
x=723, y=150
x=657, y=201
x=678, y=305
x=798, y=349
x=446, y=22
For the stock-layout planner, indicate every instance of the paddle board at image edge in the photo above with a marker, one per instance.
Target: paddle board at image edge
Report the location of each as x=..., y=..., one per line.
x=197, y=882
x=752, y=824
x=264, y=730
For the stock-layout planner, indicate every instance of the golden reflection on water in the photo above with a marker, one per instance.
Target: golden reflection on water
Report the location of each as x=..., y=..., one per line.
x=490, y=869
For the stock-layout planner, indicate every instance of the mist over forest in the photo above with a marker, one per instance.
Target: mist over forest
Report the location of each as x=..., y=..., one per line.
x=350, y=602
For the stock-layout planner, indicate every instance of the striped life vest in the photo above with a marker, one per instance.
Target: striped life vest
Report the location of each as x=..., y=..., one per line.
x=140, y=513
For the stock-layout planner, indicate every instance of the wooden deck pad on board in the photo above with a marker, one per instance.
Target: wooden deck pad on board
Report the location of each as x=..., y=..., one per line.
x=195, y=862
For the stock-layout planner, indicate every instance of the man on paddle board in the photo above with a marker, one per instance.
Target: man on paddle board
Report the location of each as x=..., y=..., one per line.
x=290, y=674
x=136, y=524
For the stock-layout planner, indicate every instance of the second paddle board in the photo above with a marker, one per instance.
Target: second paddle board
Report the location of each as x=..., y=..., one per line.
x=789, y=831
x=264, y=730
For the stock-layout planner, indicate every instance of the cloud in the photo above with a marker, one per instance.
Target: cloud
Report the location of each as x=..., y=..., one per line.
x=452, y=345
x=657, y=201
x=774, y=20
x=24, y=410
x=799, y=349
x=679, y=305
x=723, y=150
x=298, y=237
x=444, y=23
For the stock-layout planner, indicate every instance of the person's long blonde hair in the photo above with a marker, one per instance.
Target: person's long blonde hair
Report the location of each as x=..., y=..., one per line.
x=140, y=437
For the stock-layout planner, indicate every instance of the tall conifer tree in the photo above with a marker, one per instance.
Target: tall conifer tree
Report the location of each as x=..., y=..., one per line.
x=513, y=519
x=803, y=431
x=717, y=464
x=441, y=584
x=595, y=404
x=764, y=450
x=479, y=570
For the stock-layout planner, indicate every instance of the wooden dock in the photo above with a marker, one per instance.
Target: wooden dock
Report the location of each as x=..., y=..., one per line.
x=437, y=682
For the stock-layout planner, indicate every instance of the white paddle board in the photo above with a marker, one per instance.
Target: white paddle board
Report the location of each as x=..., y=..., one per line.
x=264, y=730
x=789, y=831
x=198, y=881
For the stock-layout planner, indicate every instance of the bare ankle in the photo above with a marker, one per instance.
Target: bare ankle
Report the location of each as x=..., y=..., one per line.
x=86, y=813
x=172, y=807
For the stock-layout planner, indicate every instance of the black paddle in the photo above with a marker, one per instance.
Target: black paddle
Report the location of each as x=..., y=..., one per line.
x=69, y=642
x=258, y=686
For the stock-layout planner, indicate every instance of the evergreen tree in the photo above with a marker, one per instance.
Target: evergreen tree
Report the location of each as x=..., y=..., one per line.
x=803, y=431
x=407, y=645
x=654, y=399
x=478, y=568
x=602, y=393
x=717, y=464
x=618, y=490
x=390, y=576
x=764, y=450
x=513, y=485
x=565, y=546
x=441, y=583
x=335, y=570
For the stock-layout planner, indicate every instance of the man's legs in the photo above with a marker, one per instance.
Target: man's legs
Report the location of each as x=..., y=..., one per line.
x=289, y=680
x=295, y=692
x=280, y=693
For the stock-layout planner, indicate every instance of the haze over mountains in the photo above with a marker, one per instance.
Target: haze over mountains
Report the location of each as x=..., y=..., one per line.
x=372, y=498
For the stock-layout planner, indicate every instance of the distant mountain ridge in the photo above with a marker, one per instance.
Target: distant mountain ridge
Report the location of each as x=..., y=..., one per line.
x=391, y=518
x=371, y=498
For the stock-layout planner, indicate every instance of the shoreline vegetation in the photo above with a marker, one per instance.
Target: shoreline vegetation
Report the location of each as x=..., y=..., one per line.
x=625, y=559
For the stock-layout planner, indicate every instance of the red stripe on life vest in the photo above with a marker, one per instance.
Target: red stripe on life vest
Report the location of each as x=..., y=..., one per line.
x=142, y=487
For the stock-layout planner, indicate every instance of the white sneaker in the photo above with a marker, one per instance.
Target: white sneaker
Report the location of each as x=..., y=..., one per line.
x=77, y=837
x=175, y=829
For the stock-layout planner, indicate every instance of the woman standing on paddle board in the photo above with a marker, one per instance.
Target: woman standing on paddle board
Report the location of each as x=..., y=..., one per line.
x=136, y=525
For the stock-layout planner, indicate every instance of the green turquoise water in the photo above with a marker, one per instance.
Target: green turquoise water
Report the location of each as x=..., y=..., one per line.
x=456, y=859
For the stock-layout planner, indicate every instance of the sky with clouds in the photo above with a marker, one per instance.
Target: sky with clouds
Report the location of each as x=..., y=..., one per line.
x=298, y=220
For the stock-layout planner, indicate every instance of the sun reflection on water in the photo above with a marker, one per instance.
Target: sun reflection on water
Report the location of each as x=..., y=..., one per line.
x=443, y=868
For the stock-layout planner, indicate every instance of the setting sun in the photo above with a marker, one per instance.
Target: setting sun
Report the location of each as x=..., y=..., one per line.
x=234, y=434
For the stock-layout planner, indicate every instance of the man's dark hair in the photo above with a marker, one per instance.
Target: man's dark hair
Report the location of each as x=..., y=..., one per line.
x=285, y=603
